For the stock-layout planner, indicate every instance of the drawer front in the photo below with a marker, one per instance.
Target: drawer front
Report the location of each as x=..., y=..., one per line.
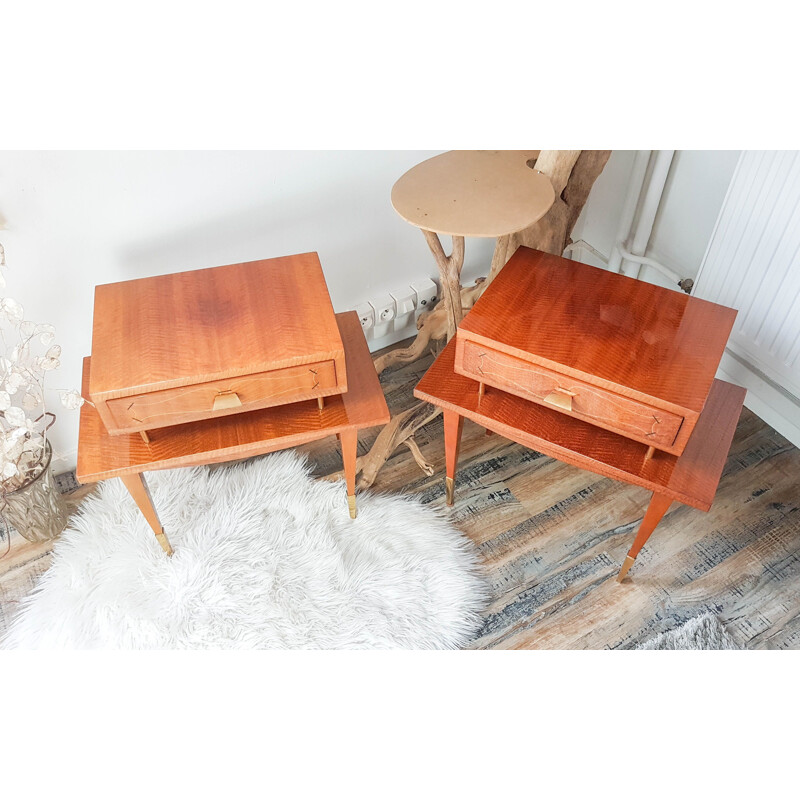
x=574, y=397
x=187, y=403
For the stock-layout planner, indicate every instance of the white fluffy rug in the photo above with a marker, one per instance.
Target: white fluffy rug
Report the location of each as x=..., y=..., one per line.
x=704, y=632
x=265, y=557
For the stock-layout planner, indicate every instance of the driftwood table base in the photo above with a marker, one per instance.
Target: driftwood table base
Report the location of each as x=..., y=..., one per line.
x=691, y=478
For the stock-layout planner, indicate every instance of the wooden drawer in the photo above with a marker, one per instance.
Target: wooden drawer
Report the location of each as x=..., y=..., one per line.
x=218, y=398
x=579, y=399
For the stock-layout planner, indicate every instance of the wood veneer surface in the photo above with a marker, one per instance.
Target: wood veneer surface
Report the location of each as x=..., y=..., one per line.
x=622, y=334
x=482, y=193
x=691, y=478
x=190, y=327
x=101, y=455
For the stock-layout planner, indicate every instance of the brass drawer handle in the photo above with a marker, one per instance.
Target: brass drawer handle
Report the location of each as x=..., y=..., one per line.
x=226, y=400
x=560, y=398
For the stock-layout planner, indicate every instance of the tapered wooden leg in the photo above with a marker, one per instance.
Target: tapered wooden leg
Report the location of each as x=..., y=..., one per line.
x=659, y=504
x=145, y=437
x=453, y=424
x=349, y=440
x=137, y=487
x=650, y=453
x=321, y=403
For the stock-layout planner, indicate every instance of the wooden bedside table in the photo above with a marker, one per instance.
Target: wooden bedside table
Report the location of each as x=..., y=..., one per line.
x=619, y=353
x=213, y=342
x=227, y=438
x=691, y=478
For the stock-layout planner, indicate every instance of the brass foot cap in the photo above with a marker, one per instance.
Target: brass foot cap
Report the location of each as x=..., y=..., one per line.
x=626, y=565
x=450, y=490
x=351, y=502
x=164, y=542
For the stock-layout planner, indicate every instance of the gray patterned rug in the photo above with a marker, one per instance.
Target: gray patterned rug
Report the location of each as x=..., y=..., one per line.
x=705, y=632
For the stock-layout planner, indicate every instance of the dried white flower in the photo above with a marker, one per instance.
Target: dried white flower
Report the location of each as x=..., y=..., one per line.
x=13, y=310
x=49, y=363
x=14, y=382
x=71, y=399
x=15, y=416
x=23, y=418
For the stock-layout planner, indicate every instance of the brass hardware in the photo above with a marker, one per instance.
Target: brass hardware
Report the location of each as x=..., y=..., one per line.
x=450, y=490
x=650, y=453
x=164, y=542
x=321, y=403
x=626, y=565
x=560, y=398
x=227, y=399
x=351, y=503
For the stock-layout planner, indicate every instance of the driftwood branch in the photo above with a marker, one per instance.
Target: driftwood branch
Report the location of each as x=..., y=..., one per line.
x=450, y=273
x=432, y=327
x=401, y=428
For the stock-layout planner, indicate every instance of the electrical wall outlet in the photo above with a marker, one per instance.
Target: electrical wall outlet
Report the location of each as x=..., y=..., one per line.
x=385, y=313
x=366, y=316
x=405, y=301
x=427, y=293
x=397, y=311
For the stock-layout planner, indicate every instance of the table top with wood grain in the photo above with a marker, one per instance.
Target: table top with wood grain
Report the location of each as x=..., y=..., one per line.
x=481, y=193
x=691, y=478
x=102, y=456
x=202, y=325
x=625, y=335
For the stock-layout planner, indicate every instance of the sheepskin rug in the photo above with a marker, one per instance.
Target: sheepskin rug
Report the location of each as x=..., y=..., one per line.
x=704, y=632
x=265, y=557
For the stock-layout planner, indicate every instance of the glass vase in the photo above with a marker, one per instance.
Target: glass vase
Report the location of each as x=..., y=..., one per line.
x=37, y=510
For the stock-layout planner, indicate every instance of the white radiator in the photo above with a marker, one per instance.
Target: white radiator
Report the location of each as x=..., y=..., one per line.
x=753, y=265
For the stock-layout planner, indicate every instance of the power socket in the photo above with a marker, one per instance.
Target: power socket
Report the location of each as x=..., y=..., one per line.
x=405, y=301
x=427, y=293
x=385, y=313
x=366, y=316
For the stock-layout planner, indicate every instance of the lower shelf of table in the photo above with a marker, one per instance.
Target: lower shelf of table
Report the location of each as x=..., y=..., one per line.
x=690, y=478
x=101, y=455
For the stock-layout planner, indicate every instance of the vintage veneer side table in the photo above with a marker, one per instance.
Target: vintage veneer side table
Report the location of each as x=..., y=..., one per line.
x=242, y=435
x=691, y=478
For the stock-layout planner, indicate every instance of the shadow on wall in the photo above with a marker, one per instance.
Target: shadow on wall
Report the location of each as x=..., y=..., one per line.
x=358, y=262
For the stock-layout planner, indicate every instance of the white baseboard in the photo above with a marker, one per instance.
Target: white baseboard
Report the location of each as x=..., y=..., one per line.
x=777, y=407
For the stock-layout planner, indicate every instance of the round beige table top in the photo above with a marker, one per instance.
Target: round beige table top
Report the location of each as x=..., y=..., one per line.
x=474, y=193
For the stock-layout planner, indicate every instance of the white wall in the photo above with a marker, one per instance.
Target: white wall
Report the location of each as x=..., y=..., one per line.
x=692, y=199
x=72, y=220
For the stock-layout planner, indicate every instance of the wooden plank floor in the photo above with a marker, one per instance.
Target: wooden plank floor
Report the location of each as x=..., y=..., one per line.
x=552, y=538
